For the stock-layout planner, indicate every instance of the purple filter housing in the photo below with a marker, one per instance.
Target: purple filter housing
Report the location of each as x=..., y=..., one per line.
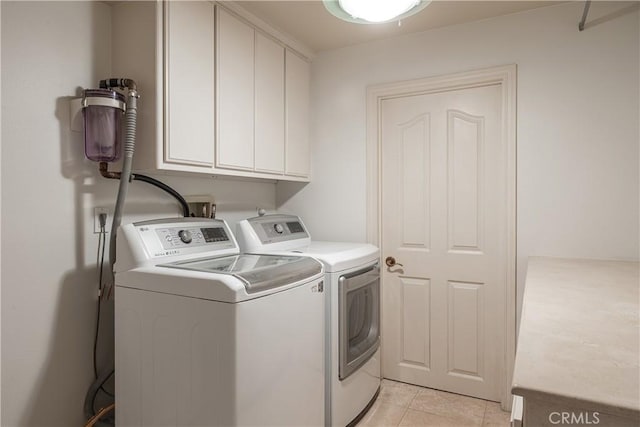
x=102, y=111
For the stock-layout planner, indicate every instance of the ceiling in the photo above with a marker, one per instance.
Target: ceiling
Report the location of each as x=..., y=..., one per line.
x=311, y=24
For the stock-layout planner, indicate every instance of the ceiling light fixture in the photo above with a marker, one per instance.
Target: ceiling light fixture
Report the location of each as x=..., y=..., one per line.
x=374, y=11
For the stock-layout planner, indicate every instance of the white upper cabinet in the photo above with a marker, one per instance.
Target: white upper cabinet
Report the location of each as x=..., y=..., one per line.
x=235, y=44
x=297, y=115
x=189, y=91
x=269, y=113
x=221, y=92
x=251, y=92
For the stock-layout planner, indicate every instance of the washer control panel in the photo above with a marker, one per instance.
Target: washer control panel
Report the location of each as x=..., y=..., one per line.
x=176, y=237
x=161, y=238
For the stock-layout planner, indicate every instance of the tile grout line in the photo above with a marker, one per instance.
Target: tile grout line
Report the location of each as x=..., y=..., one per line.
x=406, y=409
x=404, y=414
x=484, y=415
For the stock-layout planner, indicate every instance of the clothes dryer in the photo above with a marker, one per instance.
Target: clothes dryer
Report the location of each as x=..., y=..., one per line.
x=352, y=298
x=206, y=336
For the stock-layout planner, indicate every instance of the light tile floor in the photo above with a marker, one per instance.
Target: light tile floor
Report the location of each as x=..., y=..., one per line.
x=401, y=404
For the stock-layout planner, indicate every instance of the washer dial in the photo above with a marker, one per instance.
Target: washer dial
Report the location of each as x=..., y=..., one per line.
x=185, y=236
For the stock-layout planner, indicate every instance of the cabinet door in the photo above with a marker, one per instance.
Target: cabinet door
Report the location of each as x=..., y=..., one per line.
x=297, y=115
x=189, y=105
x=269, y=103
x=235, y=92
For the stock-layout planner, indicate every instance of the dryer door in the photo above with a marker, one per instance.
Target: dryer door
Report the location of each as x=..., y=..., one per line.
x=359, y=318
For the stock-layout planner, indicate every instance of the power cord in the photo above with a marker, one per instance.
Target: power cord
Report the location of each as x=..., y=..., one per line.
x=102, y=218
x=102, y=239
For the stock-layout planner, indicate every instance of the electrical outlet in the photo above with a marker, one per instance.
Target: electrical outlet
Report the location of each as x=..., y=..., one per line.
x=96, y=219
x=201, y=206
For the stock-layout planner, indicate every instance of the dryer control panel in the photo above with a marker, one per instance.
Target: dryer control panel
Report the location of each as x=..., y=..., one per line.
x=278, y=228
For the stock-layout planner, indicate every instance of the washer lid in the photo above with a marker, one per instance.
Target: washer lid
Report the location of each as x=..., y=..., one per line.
x=257, y=272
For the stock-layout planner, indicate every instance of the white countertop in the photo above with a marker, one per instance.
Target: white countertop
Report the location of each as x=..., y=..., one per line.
x=579, y=335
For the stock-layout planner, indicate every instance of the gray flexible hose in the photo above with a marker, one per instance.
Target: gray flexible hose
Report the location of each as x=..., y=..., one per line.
x=129, y=147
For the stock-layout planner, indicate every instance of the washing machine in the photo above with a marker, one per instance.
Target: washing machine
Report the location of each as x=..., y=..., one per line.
x=352, y=307
x=206, y=336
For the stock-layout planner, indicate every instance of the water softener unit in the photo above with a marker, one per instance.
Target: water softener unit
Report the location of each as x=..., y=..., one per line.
x=102, y=111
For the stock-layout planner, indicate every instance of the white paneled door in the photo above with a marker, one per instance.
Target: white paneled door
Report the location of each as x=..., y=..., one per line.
x=444, y=218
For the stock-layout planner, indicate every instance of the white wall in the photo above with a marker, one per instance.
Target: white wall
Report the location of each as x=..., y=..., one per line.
x=49, y=190
x=577, y=126
x=0, y=239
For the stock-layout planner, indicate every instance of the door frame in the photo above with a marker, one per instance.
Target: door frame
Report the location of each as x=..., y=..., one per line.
x=505, y=77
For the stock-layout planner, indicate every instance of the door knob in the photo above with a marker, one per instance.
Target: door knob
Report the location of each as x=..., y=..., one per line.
x=391, y=262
